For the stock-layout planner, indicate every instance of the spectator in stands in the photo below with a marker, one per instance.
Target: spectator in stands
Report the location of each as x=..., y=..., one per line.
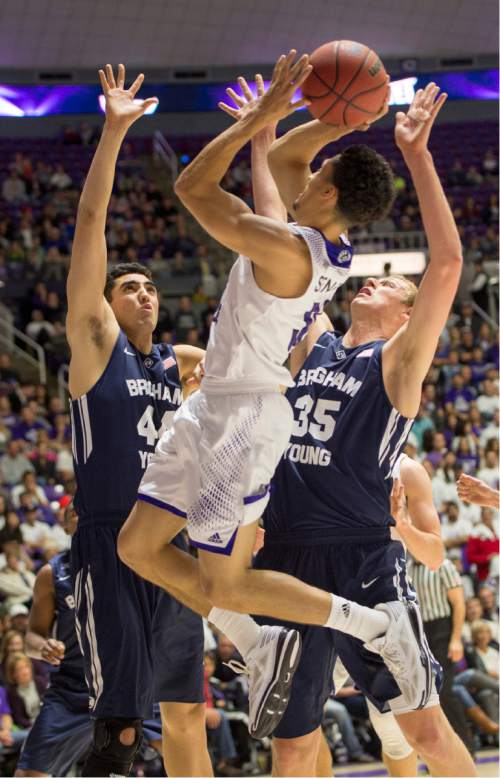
x=454, y=530
x=456, y=174
x=487, y=598
x=27, y=427
x=489, y=164
x=35, y=532
x=19, y=615
x=13, y=464
x=218, y=726
x=185, y=319
x=29, y=486
x=336, y=709
x=473, y=177
x=477, y=687
x=60, y=179
x=487, y=401
x=9, y=736
x=44, y=459
x=16, y=585
x=24, y=692
x=11, y=530
x=8, y=374
x=39, y=329
x=14, y=188
x=483, y=546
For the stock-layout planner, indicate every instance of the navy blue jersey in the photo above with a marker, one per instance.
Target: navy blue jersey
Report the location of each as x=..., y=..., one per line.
x=335, y=478
x=69, y=677
x=116, y=426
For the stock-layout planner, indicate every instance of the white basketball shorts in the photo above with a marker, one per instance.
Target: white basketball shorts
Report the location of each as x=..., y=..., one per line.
x=214, y=465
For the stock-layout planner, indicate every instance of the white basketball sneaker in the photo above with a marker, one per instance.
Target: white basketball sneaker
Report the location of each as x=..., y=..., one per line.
x=405, y=651
x=270, y=667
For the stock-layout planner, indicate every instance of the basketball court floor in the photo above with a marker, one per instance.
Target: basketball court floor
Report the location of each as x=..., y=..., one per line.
x=487, y=761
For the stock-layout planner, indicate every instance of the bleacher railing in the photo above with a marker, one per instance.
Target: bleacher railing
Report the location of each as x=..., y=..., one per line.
x=9, y=334
x=164, y=151
x=62, y=384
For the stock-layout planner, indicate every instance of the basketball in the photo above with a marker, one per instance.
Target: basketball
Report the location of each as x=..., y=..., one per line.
x=347, y=85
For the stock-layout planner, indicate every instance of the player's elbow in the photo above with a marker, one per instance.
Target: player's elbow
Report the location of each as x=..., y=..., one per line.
x=131, y=552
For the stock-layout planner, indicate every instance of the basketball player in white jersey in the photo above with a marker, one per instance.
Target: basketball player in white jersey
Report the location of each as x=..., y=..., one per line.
x=211, y=473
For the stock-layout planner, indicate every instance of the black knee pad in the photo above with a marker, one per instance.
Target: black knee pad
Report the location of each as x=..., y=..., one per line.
x=108, y=755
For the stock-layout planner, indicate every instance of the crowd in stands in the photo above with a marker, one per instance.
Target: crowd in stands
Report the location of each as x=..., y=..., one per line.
x=456, y=429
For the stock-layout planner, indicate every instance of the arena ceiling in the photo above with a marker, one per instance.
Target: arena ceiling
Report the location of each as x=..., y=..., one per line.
x=165, y=33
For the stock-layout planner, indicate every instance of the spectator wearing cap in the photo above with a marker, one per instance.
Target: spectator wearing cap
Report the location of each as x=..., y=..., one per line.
x=19, y=615
x=16, y=585
x=13, y=464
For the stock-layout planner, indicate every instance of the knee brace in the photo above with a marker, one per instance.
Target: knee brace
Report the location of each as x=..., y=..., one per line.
x=394, y=743
x=108, y=755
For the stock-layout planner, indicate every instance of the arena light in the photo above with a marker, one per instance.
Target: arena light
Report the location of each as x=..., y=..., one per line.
x=407, y=263
x=151, y=109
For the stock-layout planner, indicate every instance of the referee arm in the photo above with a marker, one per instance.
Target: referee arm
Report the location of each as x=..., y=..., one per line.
x=455, y=595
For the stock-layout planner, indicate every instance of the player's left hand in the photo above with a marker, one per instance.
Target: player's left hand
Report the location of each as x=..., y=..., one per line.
x=413, y=128
x=123, y=108
x=455, y=650
x=52, y=652
x=399, y=510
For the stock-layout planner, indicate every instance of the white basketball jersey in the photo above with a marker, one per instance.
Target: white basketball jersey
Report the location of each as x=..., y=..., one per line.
x=253, y=332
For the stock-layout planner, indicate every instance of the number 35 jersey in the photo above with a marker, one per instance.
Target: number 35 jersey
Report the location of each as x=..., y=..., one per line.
x=335, y=477
x=116, y=425
x=253, y=332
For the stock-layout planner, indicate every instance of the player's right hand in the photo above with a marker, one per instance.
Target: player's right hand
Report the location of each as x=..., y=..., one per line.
x=276, y=103
x=122, y=106
x=52, y=652
x=413, y=128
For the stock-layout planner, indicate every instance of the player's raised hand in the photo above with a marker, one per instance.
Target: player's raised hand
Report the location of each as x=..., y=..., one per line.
x=413, y=128
x=273, y=105
x=244, y=103
x=122, y=106
x=399, y=511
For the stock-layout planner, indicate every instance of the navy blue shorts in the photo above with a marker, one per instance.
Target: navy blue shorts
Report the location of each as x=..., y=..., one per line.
x=366, y=573
x=140, y=645
x=59, y=737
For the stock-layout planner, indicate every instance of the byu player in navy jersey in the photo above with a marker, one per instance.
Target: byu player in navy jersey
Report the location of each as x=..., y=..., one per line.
x=139, y=644
x=62, y=732
x=329, y=517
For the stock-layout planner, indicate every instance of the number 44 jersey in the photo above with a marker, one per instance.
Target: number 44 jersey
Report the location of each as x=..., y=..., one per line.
x=116, y=425
x=335, y=478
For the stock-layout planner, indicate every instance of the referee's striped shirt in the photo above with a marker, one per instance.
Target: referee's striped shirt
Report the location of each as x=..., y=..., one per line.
x=432, y=587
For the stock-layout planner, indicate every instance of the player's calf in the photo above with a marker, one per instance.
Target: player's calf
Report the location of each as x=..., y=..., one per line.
x=115, y=744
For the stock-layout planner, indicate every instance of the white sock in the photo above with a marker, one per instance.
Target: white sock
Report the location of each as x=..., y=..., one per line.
x=241, y=630
x=356, y=620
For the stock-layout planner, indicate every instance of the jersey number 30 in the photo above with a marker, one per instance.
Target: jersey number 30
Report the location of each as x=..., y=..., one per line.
x=322, y=424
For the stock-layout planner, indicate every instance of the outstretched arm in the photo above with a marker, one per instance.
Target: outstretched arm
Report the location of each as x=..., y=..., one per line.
x=417, y=520
x=290, y=157
x=91, y=322
x=476, y=491
x=266, y=198
x=227, y=218
x=408, y=355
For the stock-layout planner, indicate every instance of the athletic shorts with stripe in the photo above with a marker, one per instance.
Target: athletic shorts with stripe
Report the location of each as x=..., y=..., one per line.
x=368, y=573
x=60, y=736
x=139, y=644
x=213, y=466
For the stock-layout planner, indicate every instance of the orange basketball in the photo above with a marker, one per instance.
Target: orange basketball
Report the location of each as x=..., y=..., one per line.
x=348, y=84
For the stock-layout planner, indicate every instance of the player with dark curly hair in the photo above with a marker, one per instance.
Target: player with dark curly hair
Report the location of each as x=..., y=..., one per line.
x=211, y=471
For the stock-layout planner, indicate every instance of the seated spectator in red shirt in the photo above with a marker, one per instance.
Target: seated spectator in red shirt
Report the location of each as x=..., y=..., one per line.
x=483, y=546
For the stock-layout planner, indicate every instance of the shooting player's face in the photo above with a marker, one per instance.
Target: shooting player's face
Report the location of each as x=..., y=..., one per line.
x=318, y=192
x=134, y=300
